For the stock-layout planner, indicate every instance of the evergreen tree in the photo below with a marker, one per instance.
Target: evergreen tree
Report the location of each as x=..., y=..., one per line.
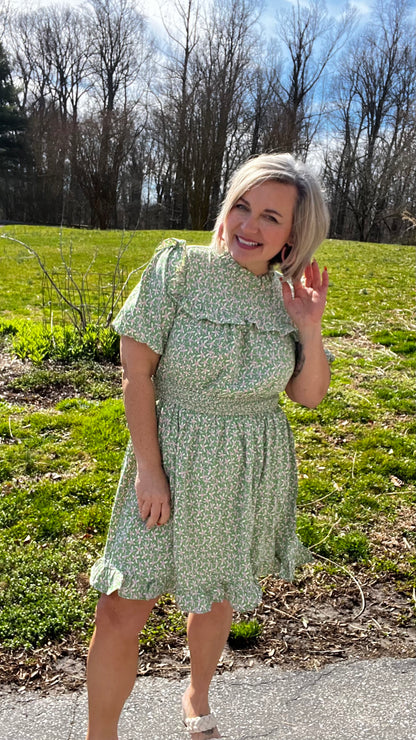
x=12, y=150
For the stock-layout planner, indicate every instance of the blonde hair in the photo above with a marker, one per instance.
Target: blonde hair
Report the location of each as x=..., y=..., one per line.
x=310, y=217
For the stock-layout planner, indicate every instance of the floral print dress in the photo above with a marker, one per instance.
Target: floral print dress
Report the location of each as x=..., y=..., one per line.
x=227, y=349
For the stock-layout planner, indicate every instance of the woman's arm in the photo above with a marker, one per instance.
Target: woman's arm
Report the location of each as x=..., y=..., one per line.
x=139, y=364
x=311, y=377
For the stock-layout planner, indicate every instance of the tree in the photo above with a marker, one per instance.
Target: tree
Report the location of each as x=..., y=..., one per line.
x=95, y=151
x=224, y=68
x=4, y=18
x=174, y=100
x=104, y=142
x=100, y=53
x=119, y=65
x=201, y=105
x=51, y=61
x=12, y=151
x=311, y=40
x=119, y=49
x=370, y=168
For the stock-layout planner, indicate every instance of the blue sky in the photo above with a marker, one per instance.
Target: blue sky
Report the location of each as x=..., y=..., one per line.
x=271, y=6
x=268, y=16
x=334, y=7
x=150, y=7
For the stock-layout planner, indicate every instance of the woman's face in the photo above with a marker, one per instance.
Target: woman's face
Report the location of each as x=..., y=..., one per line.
x=259, y=224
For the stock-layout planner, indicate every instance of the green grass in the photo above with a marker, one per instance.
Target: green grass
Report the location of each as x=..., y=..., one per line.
x=371, y=287
x=59, y=466
x=20, y=276
x=356, y=450
x=59, y=471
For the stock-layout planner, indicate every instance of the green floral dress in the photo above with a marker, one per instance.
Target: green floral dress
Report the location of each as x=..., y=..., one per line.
x=227, y=351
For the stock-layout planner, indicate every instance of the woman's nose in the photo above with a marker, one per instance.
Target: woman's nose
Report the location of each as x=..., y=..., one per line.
x=250, y=224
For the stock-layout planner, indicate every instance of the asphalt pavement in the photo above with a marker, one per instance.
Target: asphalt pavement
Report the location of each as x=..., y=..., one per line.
x=359, y=700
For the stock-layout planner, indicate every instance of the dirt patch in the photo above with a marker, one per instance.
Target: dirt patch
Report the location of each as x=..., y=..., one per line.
x=11, y=368
x=35, y=388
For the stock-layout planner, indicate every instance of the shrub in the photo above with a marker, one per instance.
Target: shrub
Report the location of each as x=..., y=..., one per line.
x=37, y=342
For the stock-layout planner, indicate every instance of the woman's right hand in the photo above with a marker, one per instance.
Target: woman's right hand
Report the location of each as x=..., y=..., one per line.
x=153, y=497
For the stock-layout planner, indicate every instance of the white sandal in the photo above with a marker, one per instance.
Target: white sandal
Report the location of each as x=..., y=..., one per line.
x=200, y=724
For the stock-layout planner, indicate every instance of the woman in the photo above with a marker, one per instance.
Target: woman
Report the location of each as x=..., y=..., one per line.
x=207, y=497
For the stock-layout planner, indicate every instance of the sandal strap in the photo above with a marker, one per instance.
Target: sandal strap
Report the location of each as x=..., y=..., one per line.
x=200, y=724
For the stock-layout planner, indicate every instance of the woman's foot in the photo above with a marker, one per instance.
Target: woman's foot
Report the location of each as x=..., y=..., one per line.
x=193, y=709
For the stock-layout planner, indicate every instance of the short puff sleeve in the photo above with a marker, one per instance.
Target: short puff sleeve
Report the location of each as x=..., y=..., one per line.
x=148, y=314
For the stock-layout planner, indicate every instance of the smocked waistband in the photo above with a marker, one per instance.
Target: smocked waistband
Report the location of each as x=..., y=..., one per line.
x=217, y=406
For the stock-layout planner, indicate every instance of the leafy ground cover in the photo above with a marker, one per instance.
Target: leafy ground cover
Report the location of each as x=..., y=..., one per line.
x=63, y=434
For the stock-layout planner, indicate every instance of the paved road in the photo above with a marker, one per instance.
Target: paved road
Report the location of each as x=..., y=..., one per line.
x=363, y=700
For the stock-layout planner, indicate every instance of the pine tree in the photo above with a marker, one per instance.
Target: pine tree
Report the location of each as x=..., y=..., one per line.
x=12, y=149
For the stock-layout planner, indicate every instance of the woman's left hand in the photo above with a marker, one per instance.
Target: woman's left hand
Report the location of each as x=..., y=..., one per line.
x=307, y=303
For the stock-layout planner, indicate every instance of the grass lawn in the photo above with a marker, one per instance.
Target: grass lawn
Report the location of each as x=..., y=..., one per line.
x=63, y=435
x=93, y=252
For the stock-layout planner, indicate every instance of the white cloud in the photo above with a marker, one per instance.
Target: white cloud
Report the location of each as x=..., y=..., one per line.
x=363, y=7
x=334, y=7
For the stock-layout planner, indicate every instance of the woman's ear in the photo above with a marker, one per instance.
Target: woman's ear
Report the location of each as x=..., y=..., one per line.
x=220, y=232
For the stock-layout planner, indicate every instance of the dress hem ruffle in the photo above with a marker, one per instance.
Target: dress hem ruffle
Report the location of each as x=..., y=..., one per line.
x=106, y=579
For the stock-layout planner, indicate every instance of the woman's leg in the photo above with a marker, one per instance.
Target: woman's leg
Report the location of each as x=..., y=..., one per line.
x=112, y=661
x=207, y=635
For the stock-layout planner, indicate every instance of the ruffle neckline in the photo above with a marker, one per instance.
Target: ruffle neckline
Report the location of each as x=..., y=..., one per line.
x=245, y=273
x=219, y=289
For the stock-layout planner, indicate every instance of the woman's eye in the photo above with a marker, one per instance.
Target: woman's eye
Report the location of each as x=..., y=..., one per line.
x=241, y=206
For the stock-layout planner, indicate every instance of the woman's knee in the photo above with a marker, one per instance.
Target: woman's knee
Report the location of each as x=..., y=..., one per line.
x=221, y=608
x=113, y=613
x=221, y=611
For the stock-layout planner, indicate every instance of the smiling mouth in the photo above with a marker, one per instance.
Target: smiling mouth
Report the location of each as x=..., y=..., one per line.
x=246, y=244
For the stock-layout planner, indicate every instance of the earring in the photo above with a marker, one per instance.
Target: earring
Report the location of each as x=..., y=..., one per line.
x=284, y=253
